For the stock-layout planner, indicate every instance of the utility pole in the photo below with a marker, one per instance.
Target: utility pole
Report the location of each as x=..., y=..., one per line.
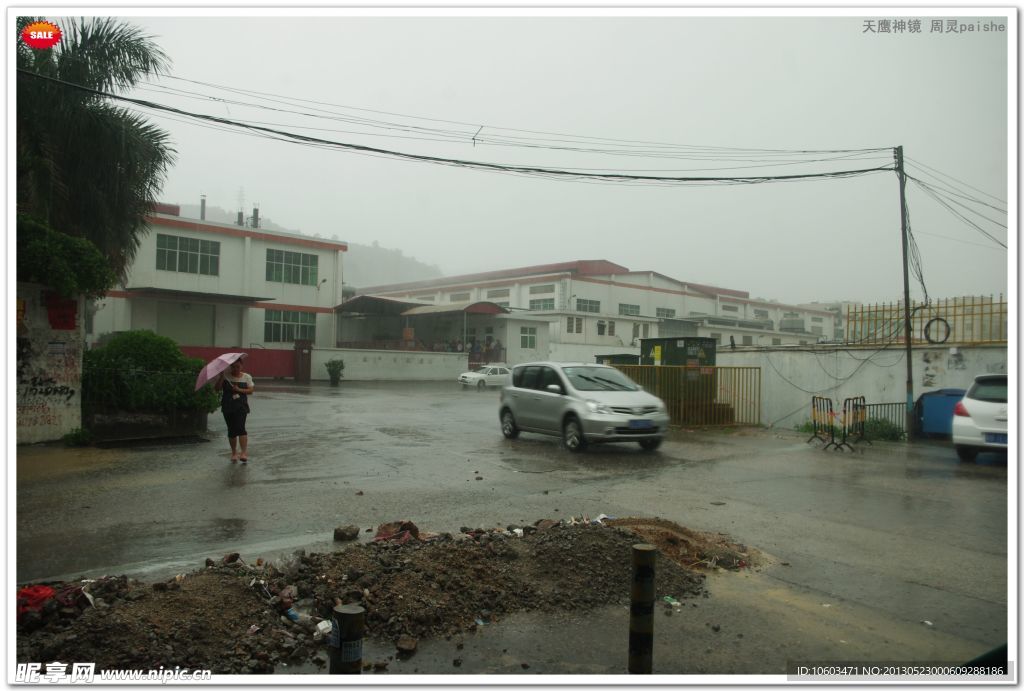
x=907, y=335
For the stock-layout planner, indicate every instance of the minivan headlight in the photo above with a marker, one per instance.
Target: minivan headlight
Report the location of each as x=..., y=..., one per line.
x=596, y=407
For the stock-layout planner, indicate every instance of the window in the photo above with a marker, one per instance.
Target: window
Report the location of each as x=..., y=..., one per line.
x=816, y=319
x=499, y=293
x=817, y=330
x=760, y=314
x=187, y=255
x=647, y=330
x=629, y=310
x=291, y=267
x=528, y=337
x=776, y=341
x=428, y=298
x=611, y=328
x=588, y=305
x=601, y=327
x=665, y=313
x=458, y=297
x=730, y=308
x=543, y=304
x=636, y=331
x=748, y=340
x=284, y=326
x=541, y=290
x=717, y=337
x=574, y=325
x=501, y=304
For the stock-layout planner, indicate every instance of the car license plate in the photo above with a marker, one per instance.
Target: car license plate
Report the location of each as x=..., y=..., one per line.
x=640, y=424
x=995, y=438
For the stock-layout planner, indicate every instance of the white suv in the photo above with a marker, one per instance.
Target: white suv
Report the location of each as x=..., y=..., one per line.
x=979, y=419
x=581, y=403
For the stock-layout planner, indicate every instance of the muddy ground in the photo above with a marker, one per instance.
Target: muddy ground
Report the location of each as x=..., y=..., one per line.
x=230, y=616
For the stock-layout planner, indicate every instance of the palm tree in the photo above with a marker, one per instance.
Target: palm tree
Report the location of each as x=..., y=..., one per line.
x=87, y=167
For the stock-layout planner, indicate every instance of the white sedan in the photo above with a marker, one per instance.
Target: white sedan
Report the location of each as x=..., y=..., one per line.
x=979, y=420
x=487, y=375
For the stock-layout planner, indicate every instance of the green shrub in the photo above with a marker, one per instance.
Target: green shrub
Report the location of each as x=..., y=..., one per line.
x=78, y=437
x=334, y=369
x=70, y=265
x=807, y=427
x=141, y=371
x=882, y=429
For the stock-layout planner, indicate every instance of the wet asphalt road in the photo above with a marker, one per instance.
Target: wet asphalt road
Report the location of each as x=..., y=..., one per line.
x=874, y=542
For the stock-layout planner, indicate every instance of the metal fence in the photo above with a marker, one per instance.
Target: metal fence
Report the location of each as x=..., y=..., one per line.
x=703, y=395
x=893, y=413
x=964, y=320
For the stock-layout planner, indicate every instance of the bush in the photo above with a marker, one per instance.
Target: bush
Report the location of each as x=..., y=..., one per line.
x=882, y=429
x=78, y=437
x=141, y=371
x=72, y=266
x=334, y=369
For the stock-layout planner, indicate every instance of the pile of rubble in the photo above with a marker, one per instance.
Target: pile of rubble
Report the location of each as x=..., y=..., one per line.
x=233, y=617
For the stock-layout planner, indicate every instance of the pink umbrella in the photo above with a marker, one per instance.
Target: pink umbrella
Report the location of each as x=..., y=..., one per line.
x=216, y=366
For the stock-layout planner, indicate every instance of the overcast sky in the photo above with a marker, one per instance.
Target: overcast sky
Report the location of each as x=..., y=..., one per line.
x=706, y=90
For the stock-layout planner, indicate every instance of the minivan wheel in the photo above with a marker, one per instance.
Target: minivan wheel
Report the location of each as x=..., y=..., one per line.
x=508, y=424
x=966, y=454
x=572, y=435
x=650, y=444
x=481, y=385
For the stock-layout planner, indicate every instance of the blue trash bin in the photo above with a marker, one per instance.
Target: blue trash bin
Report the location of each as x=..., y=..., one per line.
x=937, y=411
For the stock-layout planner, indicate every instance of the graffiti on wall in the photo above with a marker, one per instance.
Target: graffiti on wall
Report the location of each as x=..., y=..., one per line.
x=49, y=352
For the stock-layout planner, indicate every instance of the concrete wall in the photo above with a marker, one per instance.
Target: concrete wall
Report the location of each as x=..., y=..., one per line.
x=50, y=339
x=790, y=378
x=388, y=365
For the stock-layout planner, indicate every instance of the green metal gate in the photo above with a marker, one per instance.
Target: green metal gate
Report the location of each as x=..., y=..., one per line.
x=703, y=395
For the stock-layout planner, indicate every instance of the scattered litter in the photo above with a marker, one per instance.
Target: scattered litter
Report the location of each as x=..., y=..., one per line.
x=927, y=623
x=481, y=622
x=824, y=604
x=672, y=601
x=718, y=503
x=253, y=629
x=518, y=532
x=359, y=493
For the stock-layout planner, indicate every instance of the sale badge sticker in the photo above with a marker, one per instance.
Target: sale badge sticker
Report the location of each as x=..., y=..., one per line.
x=41, y=35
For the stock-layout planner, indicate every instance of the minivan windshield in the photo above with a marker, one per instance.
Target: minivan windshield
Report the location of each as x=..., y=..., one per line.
x=585, y=378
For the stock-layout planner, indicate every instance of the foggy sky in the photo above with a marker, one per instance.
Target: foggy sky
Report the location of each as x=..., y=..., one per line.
x=781, y=83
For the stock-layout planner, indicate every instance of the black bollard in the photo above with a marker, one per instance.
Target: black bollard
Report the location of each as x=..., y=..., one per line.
x=641, y=610
x=345, y=645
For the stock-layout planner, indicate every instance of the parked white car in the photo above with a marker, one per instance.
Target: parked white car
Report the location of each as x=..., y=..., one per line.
x=980, y=418
x=487, y=375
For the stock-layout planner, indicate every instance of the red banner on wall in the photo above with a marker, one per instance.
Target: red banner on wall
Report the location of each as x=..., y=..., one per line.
x=62, y=312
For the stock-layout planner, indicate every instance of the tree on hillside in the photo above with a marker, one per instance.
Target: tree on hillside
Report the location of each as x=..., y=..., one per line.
x=87, y=167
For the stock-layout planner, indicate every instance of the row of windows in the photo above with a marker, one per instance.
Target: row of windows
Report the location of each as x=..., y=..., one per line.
x=187, y=255
x=291, y=267
x=195, y=256
x=284, y=326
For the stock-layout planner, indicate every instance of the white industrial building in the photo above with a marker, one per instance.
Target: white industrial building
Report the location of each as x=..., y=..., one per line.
x=230, y=286
x=596, y=307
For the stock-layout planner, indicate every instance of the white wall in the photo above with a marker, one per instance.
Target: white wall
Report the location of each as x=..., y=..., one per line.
x=790, y=378
x=49, y=362
x=390, y=365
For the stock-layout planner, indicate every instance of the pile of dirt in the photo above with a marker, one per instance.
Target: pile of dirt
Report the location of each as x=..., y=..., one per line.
x=230, y=616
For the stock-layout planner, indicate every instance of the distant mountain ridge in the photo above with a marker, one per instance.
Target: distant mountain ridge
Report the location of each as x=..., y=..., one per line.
x=365, y=265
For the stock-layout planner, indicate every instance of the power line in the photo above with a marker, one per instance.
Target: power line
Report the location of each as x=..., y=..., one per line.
x=956, y=213
x=947, y=175
x=719, y=152
x=475, y=165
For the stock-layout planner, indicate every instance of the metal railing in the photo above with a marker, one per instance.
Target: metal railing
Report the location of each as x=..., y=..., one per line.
x=703, y=395
x=893, y=413
x=963, y=320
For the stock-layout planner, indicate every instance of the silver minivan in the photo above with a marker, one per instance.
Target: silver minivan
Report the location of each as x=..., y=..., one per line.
x=581, y=403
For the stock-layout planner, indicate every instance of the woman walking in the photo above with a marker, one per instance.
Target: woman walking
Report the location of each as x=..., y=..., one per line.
x=236, y=386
